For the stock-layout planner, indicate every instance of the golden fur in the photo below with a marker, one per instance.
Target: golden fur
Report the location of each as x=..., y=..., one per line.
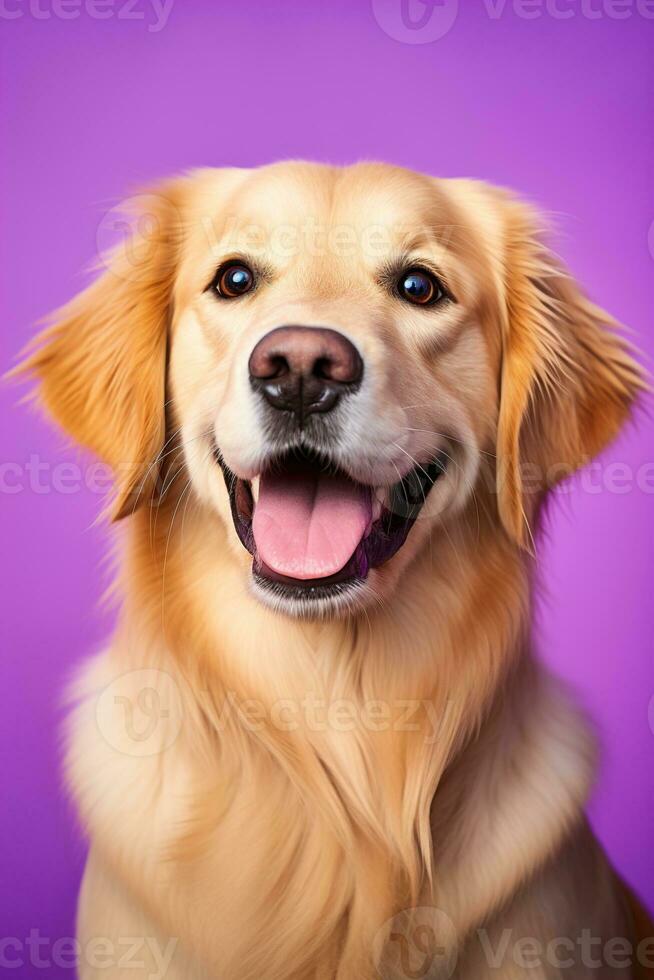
x=278, y=850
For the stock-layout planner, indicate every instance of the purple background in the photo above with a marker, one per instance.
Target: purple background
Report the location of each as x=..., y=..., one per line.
x=559, y=109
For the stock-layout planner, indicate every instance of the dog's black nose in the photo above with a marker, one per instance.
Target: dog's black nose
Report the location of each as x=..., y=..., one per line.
x=304, y=369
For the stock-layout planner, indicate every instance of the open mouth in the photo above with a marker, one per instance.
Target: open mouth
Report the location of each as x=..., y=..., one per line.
x=312, y=530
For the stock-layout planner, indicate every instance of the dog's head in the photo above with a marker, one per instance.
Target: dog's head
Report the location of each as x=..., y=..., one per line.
x=346, y=357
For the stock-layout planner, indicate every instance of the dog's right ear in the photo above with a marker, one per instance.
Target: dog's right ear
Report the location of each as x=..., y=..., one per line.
x=568, y=379
x=101, y=364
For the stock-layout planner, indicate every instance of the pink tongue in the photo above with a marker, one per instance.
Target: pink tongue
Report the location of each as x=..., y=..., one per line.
x=308, y=524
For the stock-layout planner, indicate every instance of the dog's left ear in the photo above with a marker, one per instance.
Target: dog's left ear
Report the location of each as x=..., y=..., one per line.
x=101, y=365
x=568, y=379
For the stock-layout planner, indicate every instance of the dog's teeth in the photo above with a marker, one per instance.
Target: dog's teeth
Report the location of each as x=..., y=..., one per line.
x=254, y=486
x=376, y=507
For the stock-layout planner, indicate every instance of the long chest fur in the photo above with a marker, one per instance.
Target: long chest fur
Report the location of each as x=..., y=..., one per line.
x=265, y=844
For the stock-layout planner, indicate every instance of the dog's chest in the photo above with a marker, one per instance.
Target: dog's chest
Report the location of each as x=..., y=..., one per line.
x=227, y=860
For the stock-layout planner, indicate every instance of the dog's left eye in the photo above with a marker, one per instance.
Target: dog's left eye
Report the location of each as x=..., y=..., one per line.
x=233, y=280
x=420, y=288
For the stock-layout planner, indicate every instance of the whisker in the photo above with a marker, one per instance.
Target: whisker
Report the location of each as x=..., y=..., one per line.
x=165, y=561
x=179, y=450
x=154, y=463
x=401, y=482
x=415, y=461
x=463, y=476
x=442, y=435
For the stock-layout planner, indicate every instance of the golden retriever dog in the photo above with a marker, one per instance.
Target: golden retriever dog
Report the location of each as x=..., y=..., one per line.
x=319, y=744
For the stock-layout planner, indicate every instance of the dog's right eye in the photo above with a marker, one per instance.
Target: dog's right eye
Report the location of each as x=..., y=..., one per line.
x=420, y=288
x=233, y=280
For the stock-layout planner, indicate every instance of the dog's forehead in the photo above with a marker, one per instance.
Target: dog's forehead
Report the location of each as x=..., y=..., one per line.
x=359, y=197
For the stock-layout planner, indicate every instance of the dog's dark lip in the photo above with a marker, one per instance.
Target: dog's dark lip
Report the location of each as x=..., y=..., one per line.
x=387, y=534
x=307, y=590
